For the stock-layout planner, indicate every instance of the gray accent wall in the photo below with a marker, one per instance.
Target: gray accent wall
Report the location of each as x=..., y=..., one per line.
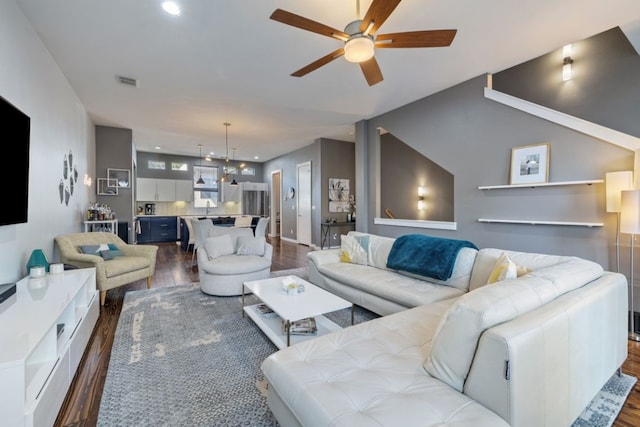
x=410, y=170
x=329, y=159
x=605, y=87
x=472, y=137
x=114, y=150
x=338, y=161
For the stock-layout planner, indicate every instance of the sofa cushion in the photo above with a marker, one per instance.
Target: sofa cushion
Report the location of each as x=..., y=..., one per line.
x=371, y=374
x=387, y=284
x=234, y=232
x=125, y=264
x=218, y=246
x=455, y=340
x=354, y=249
x=248, y=245
x=487, y=257
x=461, y=274
x=233, y=264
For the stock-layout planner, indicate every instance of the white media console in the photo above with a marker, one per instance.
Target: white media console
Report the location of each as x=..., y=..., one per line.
x=44, y=329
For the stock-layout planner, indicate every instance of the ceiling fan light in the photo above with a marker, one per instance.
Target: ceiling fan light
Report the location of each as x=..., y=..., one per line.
x=358, y=49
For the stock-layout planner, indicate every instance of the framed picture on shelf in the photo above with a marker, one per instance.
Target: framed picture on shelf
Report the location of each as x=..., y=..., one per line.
x=530, y=164
x=121, y=178
x=106, y=187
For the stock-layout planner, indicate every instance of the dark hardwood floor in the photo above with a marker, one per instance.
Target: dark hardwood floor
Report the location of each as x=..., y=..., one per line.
x=173, y=268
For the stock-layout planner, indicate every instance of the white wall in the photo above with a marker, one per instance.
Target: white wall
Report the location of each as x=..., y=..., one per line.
x=32, y=81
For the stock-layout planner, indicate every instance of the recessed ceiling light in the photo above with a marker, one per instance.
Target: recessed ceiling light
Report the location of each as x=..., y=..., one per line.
x=171, y=8
x=158, y=148
x=256, y=157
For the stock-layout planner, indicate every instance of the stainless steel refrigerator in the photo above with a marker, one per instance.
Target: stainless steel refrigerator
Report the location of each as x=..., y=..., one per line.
x=255, y=202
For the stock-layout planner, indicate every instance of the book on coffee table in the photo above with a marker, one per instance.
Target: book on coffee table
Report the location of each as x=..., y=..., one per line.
x=301, y=327
x=265, y=311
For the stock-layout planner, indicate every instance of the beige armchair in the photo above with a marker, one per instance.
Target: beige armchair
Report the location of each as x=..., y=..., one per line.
x=135, y=262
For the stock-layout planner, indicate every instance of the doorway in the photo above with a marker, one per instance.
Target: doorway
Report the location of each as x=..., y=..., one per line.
x=276, y=203
x=304, y=203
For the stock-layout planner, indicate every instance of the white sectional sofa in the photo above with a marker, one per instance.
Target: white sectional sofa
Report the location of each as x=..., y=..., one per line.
x=527, y=351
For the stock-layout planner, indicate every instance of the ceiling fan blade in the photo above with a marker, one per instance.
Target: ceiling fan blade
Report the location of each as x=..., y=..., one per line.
x=430, y=38
x=371, y=71
x=378, y=12
x=307, y=24
x=319, y=63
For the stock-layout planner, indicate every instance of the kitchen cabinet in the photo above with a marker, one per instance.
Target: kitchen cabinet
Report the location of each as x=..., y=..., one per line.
x=157, y=229
x=184, y=190
x=230, y=193
x=163, y=190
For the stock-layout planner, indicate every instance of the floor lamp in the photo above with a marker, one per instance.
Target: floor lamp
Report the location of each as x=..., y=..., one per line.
x=616, y=182
x=630, y=224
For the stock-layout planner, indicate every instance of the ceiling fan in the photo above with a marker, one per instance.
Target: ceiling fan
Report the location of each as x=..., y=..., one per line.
x=360, y=39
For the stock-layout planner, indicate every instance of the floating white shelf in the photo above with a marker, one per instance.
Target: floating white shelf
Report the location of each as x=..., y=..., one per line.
x=543, y=184
x=535, y=222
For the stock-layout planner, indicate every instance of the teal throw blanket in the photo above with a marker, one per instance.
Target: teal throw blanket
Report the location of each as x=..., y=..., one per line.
x=426, y=255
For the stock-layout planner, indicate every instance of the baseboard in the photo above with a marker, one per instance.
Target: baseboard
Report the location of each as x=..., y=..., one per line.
x=287, y=239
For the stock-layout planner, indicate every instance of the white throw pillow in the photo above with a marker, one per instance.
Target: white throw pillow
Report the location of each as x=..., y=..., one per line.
x=354, y=249
x=251, y=245
x=219, y=246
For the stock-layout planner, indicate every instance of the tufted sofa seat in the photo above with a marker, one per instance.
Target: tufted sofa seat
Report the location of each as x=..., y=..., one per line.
x=527, y=351
x=138, y=261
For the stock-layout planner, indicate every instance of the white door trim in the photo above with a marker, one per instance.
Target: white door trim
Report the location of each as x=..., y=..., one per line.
x=276, y=206
x=303, y=231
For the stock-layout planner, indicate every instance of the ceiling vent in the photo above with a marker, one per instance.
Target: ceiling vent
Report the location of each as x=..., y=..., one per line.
x=128, y=81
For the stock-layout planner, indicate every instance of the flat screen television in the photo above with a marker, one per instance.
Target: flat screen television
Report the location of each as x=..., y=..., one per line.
x=15, y=137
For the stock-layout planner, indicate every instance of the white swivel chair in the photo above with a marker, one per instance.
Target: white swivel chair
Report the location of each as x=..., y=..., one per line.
x=261, y=227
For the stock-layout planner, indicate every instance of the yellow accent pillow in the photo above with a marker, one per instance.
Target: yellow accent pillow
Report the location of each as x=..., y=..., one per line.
x=505, y=269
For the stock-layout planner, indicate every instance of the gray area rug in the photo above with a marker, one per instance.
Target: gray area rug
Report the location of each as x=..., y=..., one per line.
x=181, y=357
x=605, y=407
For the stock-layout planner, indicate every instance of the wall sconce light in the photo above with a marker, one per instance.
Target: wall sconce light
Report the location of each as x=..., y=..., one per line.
x=566, y=63
x=87, y=180
x=421, y=198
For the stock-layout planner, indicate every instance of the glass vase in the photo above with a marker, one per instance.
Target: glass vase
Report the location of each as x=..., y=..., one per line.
x=37, y=258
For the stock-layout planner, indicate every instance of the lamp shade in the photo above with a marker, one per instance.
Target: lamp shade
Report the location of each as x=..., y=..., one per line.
x=616, y=182
x=630, y=212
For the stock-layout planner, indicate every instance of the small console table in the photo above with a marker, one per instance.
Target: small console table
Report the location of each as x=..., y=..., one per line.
x=325, y=231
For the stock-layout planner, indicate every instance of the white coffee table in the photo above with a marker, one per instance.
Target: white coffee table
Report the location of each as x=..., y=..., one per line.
x=313, y=302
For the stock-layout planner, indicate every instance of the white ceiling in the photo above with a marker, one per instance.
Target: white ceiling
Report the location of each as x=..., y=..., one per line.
x=226, y=61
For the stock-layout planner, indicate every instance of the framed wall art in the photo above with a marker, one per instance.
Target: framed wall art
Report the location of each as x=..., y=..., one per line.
x=106, y=187
x=530, y=164
x=338, y=195
x=121, y=177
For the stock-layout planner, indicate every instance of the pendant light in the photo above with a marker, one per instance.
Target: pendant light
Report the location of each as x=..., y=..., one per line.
x=226, y=140
x=200, y=181
x=233, y=181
